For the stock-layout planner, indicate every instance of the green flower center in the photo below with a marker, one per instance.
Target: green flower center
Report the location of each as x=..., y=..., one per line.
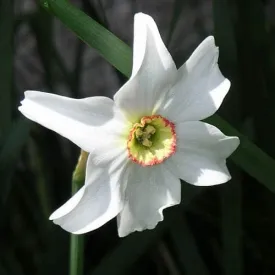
x=152, y=140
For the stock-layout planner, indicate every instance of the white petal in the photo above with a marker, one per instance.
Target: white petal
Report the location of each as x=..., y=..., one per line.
x=80, y=120
x=204, y=137
x=69, y=205
x=148, y=192
x=201, y=153
x=102, y=197
x=198, y=169
x=200, y=88
x=153, y=71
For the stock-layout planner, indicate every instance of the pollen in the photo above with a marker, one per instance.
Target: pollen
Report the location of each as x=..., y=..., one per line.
x=151, y=141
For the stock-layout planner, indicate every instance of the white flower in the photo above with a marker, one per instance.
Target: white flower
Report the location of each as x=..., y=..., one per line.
x=145, y=140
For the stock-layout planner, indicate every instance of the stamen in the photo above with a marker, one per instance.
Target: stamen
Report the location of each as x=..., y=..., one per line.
x=139, y=133
x=146, y=142
x=150, y=129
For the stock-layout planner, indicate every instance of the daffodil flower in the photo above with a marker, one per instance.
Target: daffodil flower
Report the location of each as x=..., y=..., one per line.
x=145, y=140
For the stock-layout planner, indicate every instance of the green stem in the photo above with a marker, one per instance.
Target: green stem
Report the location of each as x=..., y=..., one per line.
x=76, y=254
x=77, y=241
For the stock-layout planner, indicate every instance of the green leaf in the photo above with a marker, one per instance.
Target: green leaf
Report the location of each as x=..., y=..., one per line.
x=6, y=45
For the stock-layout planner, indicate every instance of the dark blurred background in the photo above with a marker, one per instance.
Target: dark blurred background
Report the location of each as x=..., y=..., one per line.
x=226, y=229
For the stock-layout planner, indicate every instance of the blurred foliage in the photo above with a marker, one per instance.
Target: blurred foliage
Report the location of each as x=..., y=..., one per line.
x=225, y=229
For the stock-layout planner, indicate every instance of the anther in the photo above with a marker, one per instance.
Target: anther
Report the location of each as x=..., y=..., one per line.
x=146, y=142
x=150, y=130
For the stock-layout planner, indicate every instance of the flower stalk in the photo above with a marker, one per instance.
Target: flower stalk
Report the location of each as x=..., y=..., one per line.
x=77, y=241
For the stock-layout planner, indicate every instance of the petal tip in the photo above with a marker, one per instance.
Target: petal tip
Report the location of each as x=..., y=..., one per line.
x=27, y=95
x=53, y=216
x=144, y=20
x=142, y=15
x=210, y=42
x=236, y=143
x=122, y=234
x=210, y=39
x=226, y=84
x=233, y=144
x=22, y=108
x=30, y=92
